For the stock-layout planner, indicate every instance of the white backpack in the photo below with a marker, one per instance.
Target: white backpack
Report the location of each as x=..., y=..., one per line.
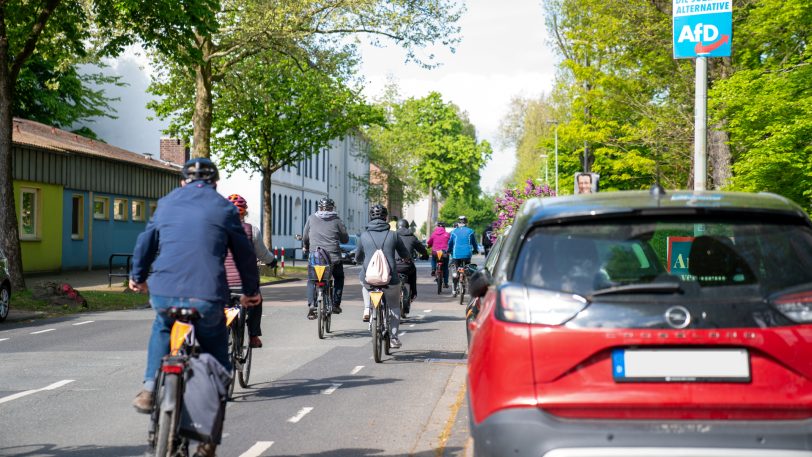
x=378, y=272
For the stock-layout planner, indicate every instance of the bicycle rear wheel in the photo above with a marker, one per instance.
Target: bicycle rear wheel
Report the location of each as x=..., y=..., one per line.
x=168, y=420
x=462, y=287
x=439, y=278
x=244, y=358
x=320, y=313
x=234, y=355
x=377, y=334
x=328, y=315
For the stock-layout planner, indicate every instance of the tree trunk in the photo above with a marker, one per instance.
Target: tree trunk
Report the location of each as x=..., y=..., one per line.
x=9, y=236
x=202, y=116
x=267, y=208
x=429, y=224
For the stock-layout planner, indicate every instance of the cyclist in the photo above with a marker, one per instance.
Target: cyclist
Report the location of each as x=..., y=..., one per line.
x=462, y=245
x=378, y=236
x=487, y=241
x=182, y=251
x=254, y=315
x=324, y=229
x=406, y=266
x=438, y=241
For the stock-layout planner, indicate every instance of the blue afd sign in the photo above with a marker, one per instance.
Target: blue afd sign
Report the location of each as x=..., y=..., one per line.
x=702, y=28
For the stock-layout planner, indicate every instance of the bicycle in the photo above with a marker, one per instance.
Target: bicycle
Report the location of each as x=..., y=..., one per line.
x=461, y=282
x=438, y=271
x=239, y=350
x=164, y=431
x=324, y=300
x=379, y=324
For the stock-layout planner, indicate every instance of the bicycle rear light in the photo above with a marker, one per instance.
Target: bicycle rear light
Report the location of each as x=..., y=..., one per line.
x=172, y=369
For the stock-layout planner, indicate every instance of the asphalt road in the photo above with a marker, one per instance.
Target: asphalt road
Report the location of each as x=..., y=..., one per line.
x=66, y=384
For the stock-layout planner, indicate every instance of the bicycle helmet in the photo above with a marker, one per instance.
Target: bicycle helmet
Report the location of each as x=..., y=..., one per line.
x=326, y=204
x=200, y=169
x=403, y=223
x=239, y=202
x=462, y=220
x=378, y=212
x=440, y=224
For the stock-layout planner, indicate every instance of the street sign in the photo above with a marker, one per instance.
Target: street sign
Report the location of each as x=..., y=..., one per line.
x=702, y=28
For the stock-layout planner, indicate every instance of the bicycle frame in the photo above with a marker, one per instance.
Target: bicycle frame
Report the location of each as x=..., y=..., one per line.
x=324, y=299
x=438, y=271
x=380, y=317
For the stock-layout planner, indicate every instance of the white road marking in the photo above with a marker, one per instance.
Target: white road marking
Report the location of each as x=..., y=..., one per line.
x=357, y=369
x=53, y=386
x=3, y=339
x=402, y=333
x=83, y=323
x=331, y=389
x=412, y=325
x=426, y=310
x=43, y=331
x=257, y=449
x=302, y=413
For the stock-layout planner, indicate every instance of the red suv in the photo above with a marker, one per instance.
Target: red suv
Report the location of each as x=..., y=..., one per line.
x=646, y=324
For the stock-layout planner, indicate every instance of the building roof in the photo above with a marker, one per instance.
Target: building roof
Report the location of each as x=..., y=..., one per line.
x=31, y=133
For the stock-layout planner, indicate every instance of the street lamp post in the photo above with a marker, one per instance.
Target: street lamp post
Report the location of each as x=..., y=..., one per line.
x=546, y=170
x=556, y=154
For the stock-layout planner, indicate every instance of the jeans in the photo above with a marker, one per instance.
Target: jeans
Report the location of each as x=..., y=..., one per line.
x=337, y=270
x=210, y=331
x=445, y=265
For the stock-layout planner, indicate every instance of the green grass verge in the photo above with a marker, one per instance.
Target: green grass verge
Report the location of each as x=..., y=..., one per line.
x=96, y=301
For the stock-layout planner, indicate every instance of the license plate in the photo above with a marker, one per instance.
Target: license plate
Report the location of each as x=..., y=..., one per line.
x=681, y=365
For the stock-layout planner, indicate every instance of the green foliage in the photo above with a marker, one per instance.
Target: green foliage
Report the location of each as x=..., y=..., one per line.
x=477, y=208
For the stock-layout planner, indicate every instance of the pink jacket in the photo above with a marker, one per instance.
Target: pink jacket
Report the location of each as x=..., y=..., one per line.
x=438, y=241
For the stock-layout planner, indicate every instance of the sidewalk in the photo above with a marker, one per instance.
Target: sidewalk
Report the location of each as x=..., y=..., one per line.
x=80, y=280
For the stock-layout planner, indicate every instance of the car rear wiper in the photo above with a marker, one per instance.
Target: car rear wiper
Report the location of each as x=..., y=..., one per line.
x=653, y=288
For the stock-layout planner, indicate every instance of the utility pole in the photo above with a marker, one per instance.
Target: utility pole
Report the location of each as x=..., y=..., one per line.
x=701, y=124
x=556, y=154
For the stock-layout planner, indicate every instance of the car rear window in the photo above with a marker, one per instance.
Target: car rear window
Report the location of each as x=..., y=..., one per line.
x=713, y=256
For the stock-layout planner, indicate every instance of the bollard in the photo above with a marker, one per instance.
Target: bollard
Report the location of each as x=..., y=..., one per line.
x=276, y=257
x=283, y=260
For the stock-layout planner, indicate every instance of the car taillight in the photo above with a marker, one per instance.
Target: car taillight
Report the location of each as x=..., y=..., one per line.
x=530, y=305
x=797, y=307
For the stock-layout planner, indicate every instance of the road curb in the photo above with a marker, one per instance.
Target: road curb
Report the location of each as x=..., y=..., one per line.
x=281, y=281
x=444, y=415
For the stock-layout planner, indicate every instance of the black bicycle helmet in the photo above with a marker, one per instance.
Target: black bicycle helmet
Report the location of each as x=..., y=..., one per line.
x=378, y=212
x=440, y=224
x=200, y=169
x=462, y=220
x=403, y=223
x=326, y=204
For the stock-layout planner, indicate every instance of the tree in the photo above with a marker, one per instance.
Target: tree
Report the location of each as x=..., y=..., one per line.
x=477, y=208
x=299, y=30
x=273, y=113
x=57, y=31
x=512, y=199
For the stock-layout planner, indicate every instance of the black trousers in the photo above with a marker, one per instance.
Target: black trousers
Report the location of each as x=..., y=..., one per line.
x=410, y=271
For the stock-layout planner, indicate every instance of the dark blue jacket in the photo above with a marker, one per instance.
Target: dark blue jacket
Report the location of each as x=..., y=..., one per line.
x=186, y=243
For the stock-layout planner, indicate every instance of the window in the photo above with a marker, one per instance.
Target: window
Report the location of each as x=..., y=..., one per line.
x=152, y=207
x=101, y=208
x=138, y=211
x=29, y=213
x=324, y=166
x=120, y=209
x=317, y=165
x=77, y=217
x=285, y=215
x=274, y=213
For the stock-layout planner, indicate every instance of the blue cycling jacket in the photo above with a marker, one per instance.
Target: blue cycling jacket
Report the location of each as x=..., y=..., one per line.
x=185, y=245
x=462, y=244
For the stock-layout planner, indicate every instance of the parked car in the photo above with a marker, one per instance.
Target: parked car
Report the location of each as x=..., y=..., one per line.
x=5, y=287
x=348, y=250
x=646, y=324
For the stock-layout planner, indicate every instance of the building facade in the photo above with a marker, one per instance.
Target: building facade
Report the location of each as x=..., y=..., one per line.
x=339, y=172
x=78, y=200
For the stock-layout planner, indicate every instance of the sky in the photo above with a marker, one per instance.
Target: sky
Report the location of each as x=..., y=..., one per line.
x=504, y=52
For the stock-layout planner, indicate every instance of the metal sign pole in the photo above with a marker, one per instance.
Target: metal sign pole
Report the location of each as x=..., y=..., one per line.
x=701, y=124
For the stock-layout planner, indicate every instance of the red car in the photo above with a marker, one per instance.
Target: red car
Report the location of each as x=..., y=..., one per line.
x=646, y=324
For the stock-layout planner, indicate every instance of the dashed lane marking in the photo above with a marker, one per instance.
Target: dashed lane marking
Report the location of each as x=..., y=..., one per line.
x=53, y=386
x=357, y=369
x=402, y=333
x=331, y=389
x=412, y=325
x=257, y=449
x=43, y=331
x=302, y=413
x=426, y=310
x=3, y=339
x=83, y=323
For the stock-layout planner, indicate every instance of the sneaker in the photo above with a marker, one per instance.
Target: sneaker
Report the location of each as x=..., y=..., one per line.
x=366, y=316
x=254, y=342
x=143, y=402
x=311, y=314
x=205, y=450
x=394, y=343
x=337, y=308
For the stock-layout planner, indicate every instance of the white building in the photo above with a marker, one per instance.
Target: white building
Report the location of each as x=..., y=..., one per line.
x=340, y=172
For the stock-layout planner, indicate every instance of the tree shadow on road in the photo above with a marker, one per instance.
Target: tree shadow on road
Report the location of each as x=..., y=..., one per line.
x=47, y=450
x=447, y=452
x=290, y=388
x=415, y=356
